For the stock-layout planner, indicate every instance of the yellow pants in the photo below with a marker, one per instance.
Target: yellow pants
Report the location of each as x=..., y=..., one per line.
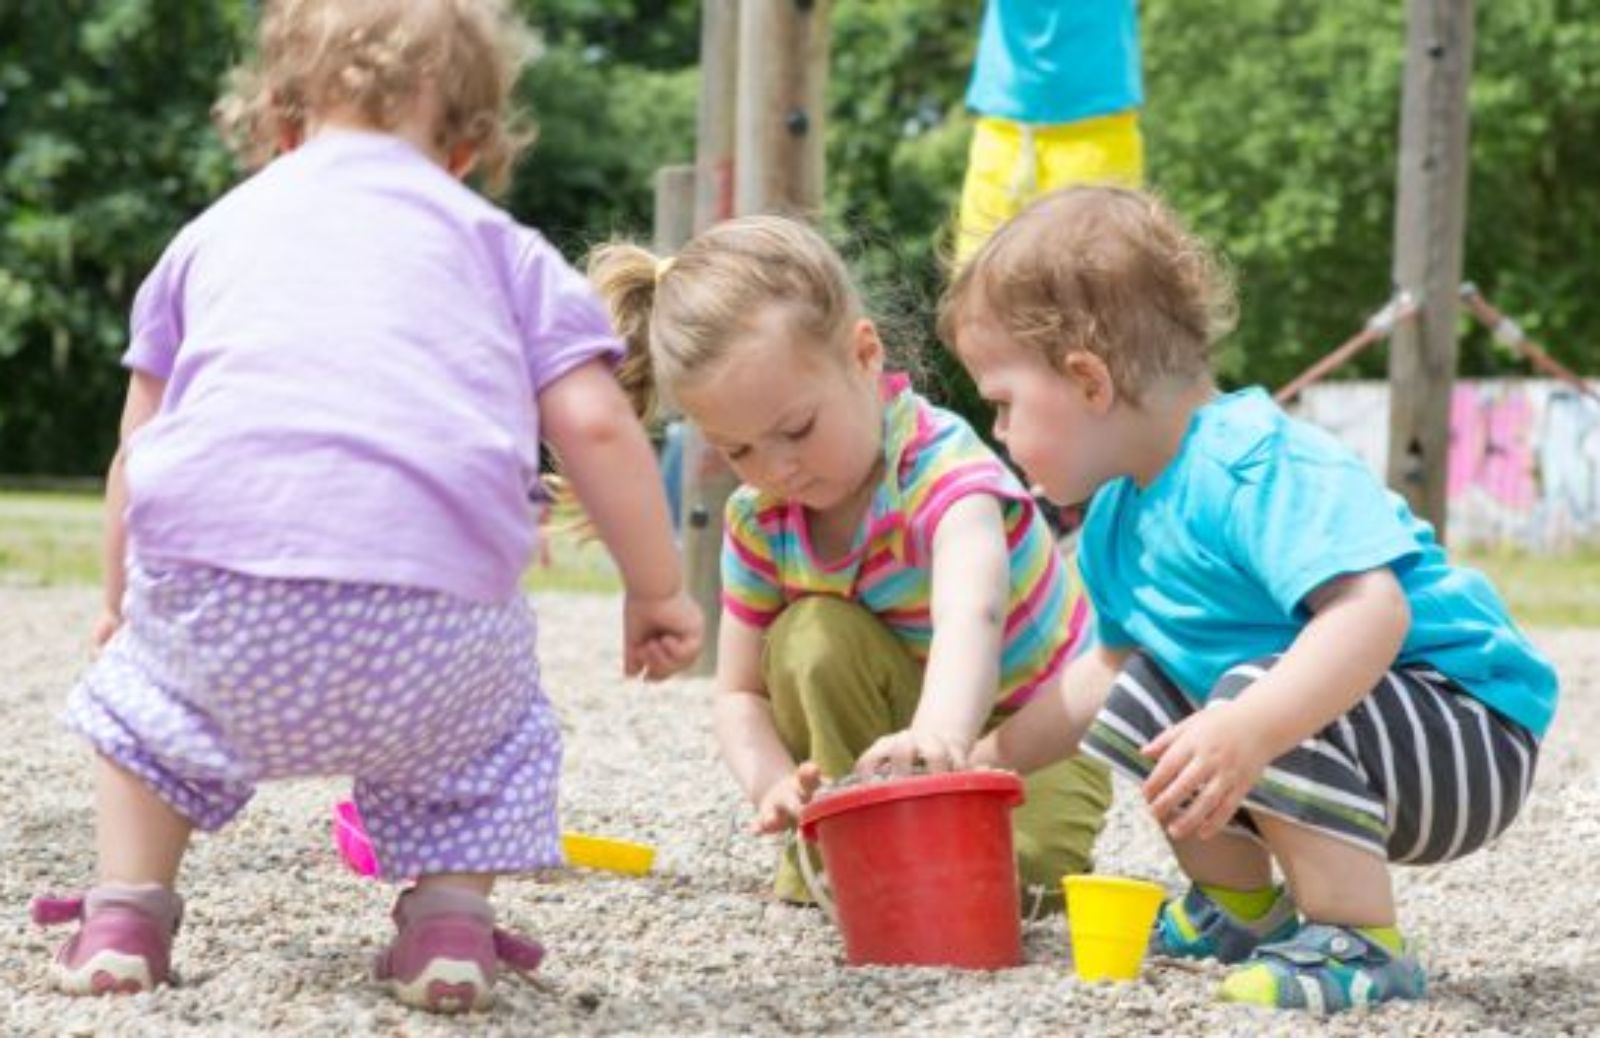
x=839, y=679
x=1010, y=164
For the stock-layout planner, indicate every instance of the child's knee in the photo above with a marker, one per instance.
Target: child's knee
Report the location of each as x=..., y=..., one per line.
x=823, y=649
x=805, y=629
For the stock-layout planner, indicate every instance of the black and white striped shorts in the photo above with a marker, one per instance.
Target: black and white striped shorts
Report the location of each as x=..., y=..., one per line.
x=1418, y=772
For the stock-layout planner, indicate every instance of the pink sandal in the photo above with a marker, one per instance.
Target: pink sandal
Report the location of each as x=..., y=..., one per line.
x=448, y=951
x=124, y=940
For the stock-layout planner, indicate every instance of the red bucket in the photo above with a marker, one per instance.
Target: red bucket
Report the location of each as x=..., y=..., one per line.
x=922, y=869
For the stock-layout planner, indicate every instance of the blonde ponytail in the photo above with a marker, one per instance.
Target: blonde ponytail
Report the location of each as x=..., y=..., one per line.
x=625, y=276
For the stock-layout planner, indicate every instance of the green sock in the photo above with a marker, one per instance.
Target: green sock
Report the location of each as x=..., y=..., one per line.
x=1388, y=936
x=1248, y=905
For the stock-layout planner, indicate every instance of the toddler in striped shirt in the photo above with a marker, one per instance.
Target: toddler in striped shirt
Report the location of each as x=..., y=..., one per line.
x=890, y=590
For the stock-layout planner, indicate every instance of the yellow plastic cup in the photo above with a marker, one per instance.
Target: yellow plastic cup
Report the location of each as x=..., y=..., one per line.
x=601, y=852
x=1109, y=918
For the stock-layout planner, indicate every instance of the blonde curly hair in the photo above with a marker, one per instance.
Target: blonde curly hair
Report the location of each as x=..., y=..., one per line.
x=374, y=56
x=1109, y=270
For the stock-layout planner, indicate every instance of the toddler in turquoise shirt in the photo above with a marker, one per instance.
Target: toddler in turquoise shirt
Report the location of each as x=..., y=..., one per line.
x=1288, y=663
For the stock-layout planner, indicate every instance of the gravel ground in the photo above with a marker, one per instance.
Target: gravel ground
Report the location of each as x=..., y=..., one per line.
x=278, y=935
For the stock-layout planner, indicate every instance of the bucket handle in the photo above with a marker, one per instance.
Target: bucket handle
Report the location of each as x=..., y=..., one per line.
x=816, y=885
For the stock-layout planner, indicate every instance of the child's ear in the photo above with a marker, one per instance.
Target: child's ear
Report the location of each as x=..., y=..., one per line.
x=866, y=348
x=1093, y=379
x=290, y=137
x=291, y=124
x=461, y=160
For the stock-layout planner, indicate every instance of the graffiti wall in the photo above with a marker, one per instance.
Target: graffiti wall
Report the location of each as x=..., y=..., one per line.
x=1524, y=456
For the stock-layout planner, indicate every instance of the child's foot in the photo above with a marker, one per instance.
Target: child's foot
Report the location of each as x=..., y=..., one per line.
x=1324, y=969
x=448, y=951
x=1197, y=927
x=124, y=942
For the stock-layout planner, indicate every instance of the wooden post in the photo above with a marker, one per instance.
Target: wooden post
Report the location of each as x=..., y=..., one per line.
x=719, y=92
x=707, y=481
x=677, y=206
x=674, y=216
x=762, y=68
x=707, y=484
x=1429, y=224
x=783, y=71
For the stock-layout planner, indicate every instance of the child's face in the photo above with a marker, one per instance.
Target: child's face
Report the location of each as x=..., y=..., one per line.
x=1050, y=422
x=792, y=420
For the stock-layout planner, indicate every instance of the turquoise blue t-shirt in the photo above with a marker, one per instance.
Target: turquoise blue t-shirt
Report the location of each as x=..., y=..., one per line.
x=1209, y=565
x=1057, y=61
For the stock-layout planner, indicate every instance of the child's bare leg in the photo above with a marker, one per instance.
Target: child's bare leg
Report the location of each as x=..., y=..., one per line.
x=139, y=838
x=1233, y=906
x=1227, y=860
x=129, y=917
x=1349, y=953
x=480, y=883
x=1332, y=881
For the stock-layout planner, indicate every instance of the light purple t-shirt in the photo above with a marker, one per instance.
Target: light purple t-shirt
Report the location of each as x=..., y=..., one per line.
x=354, y=344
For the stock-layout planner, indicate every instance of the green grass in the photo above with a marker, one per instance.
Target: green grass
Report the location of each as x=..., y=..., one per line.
x=49, y=538
x=575, y=565
x=53, y=539
x=1545, y=590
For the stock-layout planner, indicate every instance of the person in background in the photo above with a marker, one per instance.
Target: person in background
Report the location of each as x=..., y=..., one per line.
x=1057, y=86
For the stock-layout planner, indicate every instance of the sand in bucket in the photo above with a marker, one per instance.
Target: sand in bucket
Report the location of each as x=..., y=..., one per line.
x=1109, y=918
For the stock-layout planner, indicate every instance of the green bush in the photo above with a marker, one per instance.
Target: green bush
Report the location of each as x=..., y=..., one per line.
x=1271, y=124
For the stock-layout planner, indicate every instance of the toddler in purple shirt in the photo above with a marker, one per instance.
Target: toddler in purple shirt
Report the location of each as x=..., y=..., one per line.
x=341, y=372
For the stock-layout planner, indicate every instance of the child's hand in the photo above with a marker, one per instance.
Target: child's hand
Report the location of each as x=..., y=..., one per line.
x=661, y=635
x=1205, y=765
x=986, y=753
x=900, y=753
x=104, y=628
x=780, y=805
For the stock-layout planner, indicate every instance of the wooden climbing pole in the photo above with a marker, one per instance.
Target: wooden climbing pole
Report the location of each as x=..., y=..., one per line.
x=1429, y=228
x=707, y=482
x=763, y=67
x=783, y=72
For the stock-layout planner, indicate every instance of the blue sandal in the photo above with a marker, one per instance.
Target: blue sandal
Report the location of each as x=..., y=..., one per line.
x=1196, y=927
x=1325, y=969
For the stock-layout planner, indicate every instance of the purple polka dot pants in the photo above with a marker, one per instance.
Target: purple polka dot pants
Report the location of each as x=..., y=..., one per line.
x=219, y=680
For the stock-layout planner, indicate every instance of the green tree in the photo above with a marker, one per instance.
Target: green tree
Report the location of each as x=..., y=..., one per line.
x=604, y=128
x=1271, y=125
x=104, y=151
x=897, y=146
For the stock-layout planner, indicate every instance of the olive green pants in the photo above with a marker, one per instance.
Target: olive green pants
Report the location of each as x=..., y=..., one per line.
x=839, y=679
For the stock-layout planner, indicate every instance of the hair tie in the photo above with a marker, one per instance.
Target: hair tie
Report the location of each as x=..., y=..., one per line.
x=663, y=265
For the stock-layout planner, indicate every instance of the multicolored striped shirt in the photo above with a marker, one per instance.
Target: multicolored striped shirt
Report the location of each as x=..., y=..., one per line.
x=934, y=459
